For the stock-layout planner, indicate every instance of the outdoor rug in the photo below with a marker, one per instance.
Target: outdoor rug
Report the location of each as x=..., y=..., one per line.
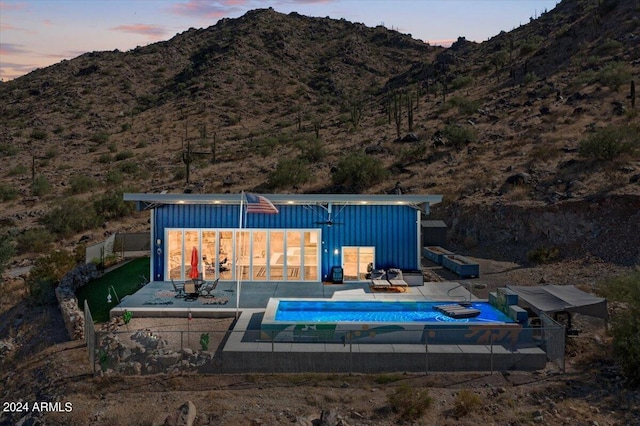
x=162, y=297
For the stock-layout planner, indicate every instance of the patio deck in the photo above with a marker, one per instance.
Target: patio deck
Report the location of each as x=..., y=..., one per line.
x=156, y=298
x=242, y=354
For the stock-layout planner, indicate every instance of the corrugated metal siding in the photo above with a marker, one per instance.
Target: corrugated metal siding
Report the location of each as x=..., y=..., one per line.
x=391, y=230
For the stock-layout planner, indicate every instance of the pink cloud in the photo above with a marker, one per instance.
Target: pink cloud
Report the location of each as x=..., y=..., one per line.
x=152, y=31
x=13, y=6
x=12, y=49
x=206, y=9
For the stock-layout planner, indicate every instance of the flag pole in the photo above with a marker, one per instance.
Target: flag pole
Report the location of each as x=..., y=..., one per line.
x=237, y=258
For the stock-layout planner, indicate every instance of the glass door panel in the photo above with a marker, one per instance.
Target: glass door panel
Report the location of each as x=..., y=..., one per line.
x=310, y=253
x=174, y=254
x=209, y=258
x=365, y=258
x=225, y=255
x=191, y=249
x=276, y=256
x=356, y=261
x=259, y=267
x=294, y=255
x=243, y=251
x=350, y=263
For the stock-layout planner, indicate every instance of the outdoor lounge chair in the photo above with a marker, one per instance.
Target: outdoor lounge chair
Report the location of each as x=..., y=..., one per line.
x=379, y=279
x=206, y=289
x=394, y=276
x=178, y=289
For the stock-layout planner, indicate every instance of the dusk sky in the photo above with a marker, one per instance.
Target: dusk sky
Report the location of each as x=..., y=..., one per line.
x=38, y=33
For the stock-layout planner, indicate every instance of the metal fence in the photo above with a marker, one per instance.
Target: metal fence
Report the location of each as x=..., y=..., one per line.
x=553, y=335
x=90, y=336
x=212, y=351
x=126, y=245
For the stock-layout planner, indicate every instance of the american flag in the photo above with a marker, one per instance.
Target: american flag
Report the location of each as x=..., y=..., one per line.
x=260, y=204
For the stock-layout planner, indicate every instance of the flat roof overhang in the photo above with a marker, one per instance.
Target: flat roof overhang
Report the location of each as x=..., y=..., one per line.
x=147, y=201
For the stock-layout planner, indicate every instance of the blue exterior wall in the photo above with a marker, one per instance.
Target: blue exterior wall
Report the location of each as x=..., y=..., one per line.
x=391, y=229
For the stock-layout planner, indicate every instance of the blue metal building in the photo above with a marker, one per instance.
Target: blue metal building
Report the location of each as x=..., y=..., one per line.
x=206, y=235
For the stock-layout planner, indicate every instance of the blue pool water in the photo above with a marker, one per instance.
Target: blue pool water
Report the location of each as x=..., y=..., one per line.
x=380, y=311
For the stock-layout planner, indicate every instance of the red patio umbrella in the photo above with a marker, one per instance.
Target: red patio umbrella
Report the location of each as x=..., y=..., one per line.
x=194, y=264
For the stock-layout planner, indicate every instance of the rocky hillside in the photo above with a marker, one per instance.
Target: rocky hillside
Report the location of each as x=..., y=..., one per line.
x=274, y=102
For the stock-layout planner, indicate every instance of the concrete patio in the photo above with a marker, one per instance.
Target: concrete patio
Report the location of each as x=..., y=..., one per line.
x=156, y=298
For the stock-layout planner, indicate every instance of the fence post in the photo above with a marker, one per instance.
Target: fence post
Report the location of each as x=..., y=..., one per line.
x=426, y=354
x=350, y=354
x=181, y=340
x=491, y=342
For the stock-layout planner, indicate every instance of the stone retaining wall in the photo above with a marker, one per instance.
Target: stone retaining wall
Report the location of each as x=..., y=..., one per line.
x=66, y=295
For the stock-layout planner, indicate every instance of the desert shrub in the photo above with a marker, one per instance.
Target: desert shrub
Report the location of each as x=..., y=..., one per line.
x=38, y=134
x=358, y=171
x=543, y=255
x=34, y=240
x=530, y=77
x=113, y=177
x=527, y=48
x=608, y=47
x=18, y=170
x=46, y=274
x=410, y=403
x=40, y=186
x=614, y=74
x=123, y=155
x=50, y=153
x=7, y=193
x=312, y=151
x=461, y=82
x=6, y=251
x=289, y=172
x=128, y=167
x=99, y=138
x=611, y=142
x=459, y=136
x=7, y=150
x=466, y=402
x=105, y=158
x=80, y=184
x=112, y=205
x=625, y=327
x=180, y=174
x=265, y=146
x=71, y=216
x=464, y=105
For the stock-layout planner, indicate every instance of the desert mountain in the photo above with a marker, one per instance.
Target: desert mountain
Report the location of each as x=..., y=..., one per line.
x=282, y=103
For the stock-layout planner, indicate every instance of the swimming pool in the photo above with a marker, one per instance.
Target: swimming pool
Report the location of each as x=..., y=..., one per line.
x=384, y=321
x=379, y=311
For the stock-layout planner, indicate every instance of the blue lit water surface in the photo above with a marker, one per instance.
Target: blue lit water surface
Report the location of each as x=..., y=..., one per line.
x=362, y=311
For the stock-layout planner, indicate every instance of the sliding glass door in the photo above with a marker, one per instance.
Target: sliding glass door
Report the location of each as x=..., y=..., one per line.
x=248, y=254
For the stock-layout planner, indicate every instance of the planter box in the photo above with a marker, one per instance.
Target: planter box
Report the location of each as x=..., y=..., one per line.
x=435, y=253
x=461, y=265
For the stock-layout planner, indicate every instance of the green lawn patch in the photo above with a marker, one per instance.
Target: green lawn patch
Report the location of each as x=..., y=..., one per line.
x=125, y=280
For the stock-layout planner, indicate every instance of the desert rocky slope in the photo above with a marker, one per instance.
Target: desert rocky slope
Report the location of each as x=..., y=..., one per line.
x=286, y=103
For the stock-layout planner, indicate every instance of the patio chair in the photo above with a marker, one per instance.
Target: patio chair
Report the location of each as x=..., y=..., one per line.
x=379, y=279
x=395, y=278
x=206, y=290
x=191, y=292
x=178, y=289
